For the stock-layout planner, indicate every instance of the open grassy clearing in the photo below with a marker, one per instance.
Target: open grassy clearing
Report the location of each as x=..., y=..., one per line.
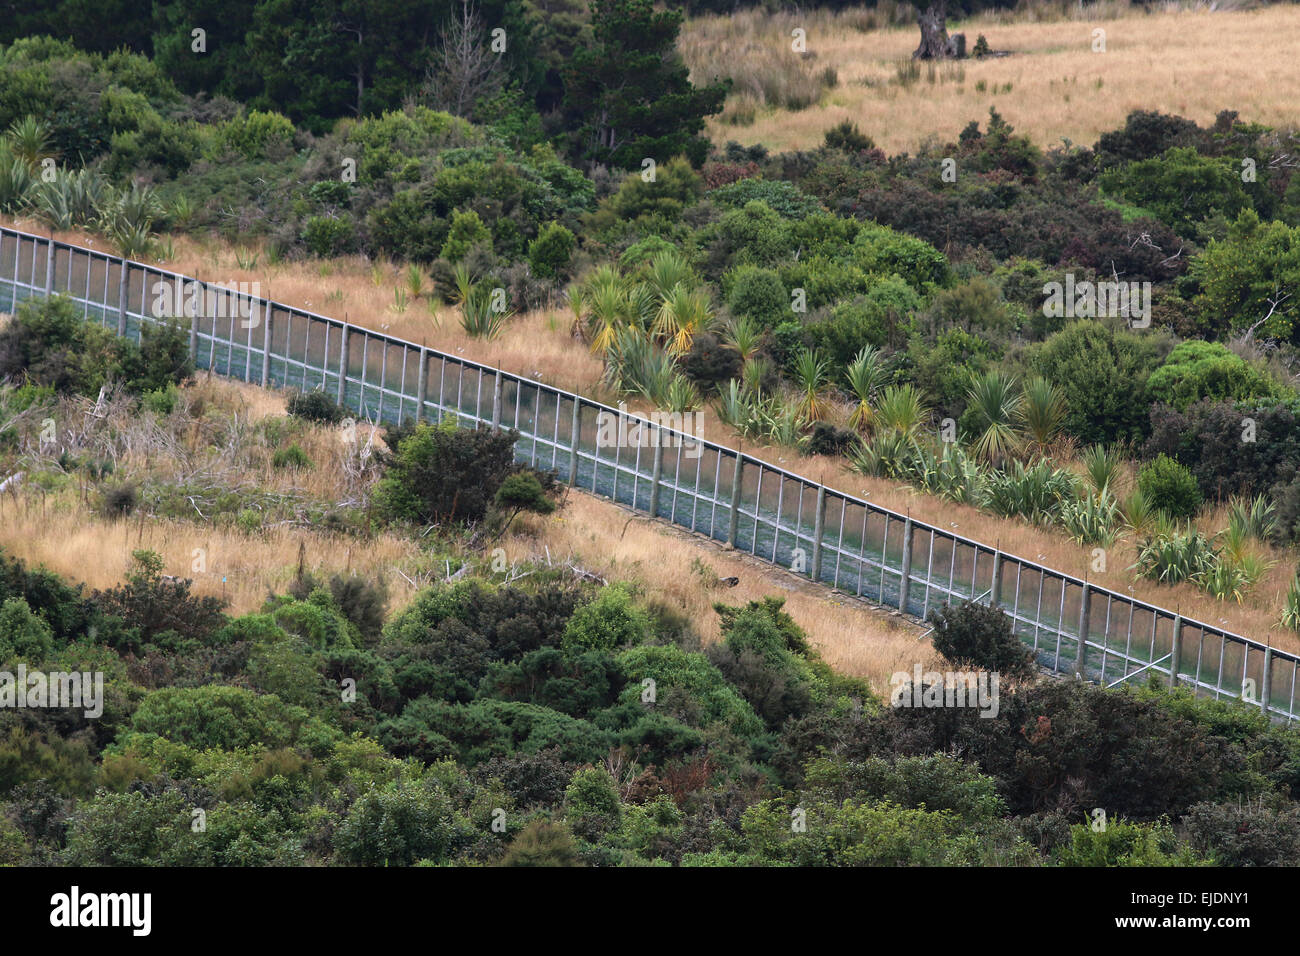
x=1193, y=62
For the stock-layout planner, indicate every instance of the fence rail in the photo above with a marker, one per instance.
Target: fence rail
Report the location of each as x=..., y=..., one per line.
x=1073, y=626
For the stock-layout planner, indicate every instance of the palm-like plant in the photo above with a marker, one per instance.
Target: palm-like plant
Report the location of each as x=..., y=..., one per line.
x=682, y=395
x=479, y=317
x=634, y=365
x=577, y=307
x=414, y=281
x=889, y=454
x=901, y=409
x=1042, y=412
x=1138, y=514
x=127, y=218
x=754, y=373
x=1091, y=518
x=17, y=181
x=1291, y=609
x=71, y=199
x=810, y=373
x=607, y=311
x=463, y=284
x=1256, y=518
x=1102, y=468
x=1034, y=493
x=29, y=138
x=669, y=269
x=996, y=402
x=1172, y=556
x=745, y=336
x=734, y=405
x=866, y=375
x=685, y=313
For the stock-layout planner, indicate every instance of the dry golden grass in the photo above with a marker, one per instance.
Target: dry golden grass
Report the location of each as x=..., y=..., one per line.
x=63, y=532
x=537, y=344
x=1193, y=62
x=598, y=536
x=60, y=532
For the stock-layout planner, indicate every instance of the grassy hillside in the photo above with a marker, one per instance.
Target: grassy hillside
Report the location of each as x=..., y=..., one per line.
x=1052, y=86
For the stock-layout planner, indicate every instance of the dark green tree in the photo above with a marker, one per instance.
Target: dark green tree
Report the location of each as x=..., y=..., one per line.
x=628, y=95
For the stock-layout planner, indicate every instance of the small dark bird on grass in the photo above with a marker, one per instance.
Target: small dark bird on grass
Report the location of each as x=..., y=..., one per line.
x=729, y=582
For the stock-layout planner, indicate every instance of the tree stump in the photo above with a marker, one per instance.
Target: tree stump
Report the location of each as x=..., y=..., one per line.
x=934, y=32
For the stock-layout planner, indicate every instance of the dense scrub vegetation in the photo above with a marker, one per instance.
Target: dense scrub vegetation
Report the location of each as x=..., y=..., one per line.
x=895, y=310
x=560, y=725
x=528, y=715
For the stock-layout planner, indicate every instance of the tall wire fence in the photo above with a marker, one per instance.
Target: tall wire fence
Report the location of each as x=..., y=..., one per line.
x=1073, y=626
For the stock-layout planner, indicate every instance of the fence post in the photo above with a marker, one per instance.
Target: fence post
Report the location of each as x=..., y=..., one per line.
x=343, y=364
x=422, y=385
x=1263, y=690
x=49, y=267
x=819, y=526
x=995, y=589
x=734, y=521
x=121, y=302
x=657, y=474
x=496, y=399
x=1084, y=626
x=194, y=335
x=1176, y=652
x=266, y=343
x=573, y=440
x=905, y=583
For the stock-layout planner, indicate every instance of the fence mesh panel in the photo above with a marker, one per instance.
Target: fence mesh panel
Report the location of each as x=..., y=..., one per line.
x=1073, y=627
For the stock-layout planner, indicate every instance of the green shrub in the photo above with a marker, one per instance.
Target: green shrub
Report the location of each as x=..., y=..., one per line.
x=316, y=406
x=1170, y=487
x=688, y=676
x=757, y=293
x=592, y=804
x=1125, y=843
x=1245, y=835
x=847, y=136
x=1198, y=370
x=466, y=230
x=227, y=718
x=542, y=843
x=291, y=457
x=550, y=252
x=612, y=620
x=1103, y=376
x=119, y=501
x=442, y=473
x=398, y=825
x=329, y=236
x=783, y=198
x=23, y=634
x=255, y=134
x=161, y=401
x=980, y=636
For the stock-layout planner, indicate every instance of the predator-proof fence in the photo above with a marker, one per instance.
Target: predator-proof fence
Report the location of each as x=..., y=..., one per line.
x=1073, y=626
